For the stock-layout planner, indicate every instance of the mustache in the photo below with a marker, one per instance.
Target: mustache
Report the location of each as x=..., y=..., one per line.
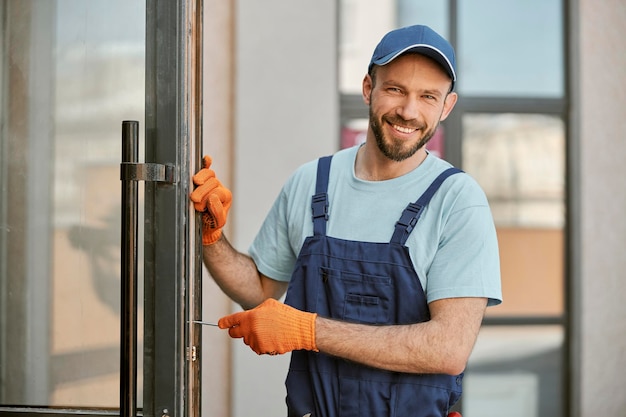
x=396, y=120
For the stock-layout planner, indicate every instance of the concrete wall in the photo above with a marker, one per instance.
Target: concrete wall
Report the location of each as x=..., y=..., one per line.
x=598, y=125
x=218, y=136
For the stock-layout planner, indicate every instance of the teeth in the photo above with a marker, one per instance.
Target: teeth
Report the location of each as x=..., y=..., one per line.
x=403, y=129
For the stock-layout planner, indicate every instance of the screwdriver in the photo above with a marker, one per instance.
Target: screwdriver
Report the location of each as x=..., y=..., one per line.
x=205, y=323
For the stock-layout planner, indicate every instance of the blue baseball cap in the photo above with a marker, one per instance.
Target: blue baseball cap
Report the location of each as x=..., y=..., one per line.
x=418, y=39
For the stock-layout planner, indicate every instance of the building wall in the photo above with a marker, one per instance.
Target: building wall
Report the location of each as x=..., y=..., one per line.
x=598, y=124
x=286, y=113
x=218, y=136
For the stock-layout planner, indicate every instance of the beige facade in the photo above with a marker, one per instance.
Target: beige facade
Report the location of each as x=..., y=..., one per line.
x=599, y=97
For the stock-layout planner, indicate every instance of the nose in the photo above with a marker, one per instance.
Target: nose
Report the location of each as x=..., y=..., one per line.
x=409, y=108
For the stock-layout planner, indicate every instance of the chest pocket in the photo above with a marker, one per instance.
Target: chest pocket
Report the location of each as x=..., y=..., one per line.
x=355, y=297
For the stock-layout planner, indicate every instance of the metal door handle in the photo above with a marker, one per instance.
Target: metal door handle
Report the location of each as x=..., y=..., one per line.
x=128, y=313
x=132, y=171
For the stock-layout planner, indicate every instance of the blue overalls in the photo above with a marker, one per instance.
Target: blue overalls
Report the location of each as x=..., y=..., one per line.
x=361, y=282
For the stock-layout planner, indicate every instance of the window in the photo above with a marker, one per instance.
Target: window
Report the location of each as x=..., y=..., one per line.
x=510, y=48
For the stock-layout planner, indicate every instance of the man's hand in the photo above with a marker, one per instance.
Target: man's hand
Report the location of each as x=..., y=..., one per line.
x=213, y=200
x=272, y=328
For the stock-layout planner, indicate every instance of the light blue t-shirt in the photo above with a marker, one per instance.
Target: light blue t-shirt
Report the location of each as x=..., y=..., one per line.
x=453, y=247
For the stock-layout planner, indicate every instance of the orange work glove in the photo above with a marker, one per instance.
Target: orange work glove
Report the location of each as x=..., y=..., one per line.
x=213, y=200
x=273, y=328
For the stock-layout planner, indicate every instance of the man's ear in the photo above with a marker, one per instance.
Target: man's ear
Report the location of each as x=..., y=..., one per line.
x=448, y=105
x=367, y=89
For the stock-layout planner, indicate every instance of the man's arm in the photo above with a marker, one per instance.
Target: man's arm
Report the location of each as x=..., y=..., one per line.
x=236, y=274
x=441, y=345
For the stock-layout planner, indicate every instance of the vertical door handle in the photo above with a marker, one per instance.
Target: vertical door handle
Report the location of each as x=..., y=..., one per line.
x=128, y=310
x=131, y=171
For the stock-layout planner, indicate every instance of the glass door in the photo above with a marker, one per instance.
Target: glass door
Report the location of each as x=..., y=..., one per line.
x=71, y=72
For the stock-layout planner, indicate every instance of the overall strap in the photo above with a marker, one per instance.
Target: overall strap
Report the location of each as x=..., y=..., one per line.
x=413, y=211
x=319, y=202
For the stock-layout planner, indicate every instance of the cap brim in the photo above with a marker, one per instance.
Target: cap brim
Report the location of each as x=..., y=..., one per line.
x=422, y=49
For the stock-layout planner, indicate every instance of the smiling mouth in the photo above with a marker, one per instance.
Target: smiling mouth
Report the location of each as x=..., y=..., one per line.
x=403, y=129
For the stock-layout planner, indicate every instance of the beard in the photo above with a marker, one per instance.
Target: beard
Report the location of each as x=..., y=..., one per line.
x=394, y=149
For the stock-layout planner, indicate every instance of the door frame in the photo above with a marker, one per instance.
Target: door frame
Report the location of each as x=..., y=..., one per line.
x=172, y=257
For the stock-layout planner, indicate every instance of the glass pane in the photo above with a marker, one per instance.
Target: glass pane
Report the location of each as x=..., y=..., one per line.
x=75, y=70
x=515, y=371
x=510, y=48
x=519, y=160
x=363, y=24
x=424, y=12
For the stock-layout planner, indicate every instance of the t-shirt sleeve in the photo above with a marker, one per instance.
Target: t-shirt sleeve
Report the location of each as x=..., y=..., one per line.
x=276, y=247
x=467, y=263
x=270, y=249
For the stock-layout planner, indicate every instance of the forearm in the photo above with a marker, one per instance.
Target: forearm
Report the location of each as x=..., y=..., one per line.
x=400, y=348
x=234, y=272
x=441, y=345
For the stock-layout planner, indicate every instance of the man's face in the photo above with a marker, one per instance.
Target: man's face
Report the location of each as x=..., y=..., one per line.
x=407, y=99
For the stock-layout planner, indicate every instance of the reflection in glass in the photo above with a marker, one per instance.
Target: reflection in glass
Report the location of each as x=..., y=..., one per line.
x=519, y=160
x=510, y=48
x=515, y=371
x=75, y=71
x=424, y=12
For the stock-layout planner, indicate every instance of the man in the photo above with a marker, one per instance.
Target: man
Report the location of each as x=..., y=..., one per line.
x=388, y=255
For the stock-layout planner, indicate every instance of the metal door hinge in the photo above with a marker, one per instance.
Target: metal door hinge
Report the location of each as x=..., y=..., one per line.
x=192, y=353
